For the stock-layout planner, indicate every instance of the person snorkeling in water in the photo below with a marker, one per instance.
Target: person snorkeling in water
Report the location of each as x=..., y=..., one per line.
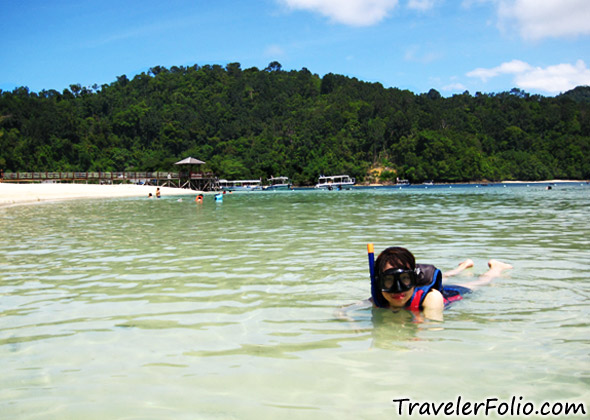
x=397, y=283
x=401, y=283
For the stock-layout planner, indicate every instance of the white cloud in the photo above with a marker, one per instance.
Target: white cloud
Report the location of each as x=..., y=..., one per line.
x=415, y=54
x=512, y=67
x=551, y=79
x=421, y=5
x=555, y=79
x=537, y=19
x=454, y=87
x=274, y=51
x=348, y=12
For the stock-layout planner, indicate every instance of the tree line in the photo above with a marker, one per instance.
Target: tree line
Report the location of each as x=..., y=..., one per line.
x=254, y=123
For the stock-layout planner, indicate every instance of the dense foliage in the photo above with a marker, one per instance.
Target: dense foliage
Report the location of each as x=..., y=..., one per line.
x=255, y=123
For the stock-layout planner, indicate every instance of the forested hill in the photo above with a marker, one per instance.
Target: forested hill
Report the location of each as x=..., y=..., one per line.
x=251, y=123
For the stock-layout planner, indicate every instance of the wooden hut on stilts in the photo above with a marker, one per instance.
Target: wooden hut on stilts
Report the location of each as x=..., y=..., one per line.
x=196, y=180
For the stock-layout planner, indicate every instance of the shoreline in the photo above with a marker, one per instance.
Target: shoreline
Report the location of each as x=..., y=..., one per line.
x=553, y=181
x=12, y=194
x=17, y=194
x=550, y=181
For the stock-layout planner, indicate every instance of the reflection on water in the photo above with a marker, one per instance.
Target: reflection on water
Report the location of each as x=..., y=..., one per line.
x=141, y=308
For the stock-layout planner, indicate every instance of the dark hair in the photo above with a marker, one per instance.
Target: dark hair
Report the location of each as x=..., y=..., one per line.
x=397, y=257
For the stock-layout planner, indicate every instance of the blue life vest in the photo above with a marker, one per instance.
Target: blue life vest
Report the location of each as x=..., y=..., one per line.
x=433, y=275
x=432, y=278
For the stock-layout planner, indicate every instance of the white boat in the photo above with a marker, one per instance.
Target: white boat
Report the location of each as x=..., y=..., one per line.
x=240, y=185
x=335, y=181
x=278, y=183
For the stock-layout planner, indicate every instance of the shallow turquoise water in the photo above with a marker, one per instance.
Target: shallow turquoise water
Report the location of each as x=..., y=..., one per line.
x=135, y=308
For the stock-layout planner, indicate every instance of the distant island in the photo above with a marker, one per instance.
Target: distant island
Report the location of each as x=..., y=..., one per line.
x=257, y=123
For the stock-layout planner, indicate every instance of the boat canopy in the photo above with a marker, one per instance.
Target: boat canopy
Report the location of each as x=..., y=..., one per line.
x=334, y=181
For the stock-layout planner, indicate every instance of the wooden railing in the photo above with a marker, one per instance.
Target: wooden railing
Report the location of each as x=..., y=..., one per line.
x=109, y=177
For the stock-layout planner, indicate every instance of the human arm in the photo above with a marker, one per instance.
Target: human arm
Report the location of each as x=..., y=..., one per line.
x=342, y=312
x=433, y=305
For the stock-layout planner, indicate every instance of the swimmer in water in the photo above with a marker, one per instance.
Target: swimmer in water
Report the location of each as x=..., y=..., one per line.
x=399, y=283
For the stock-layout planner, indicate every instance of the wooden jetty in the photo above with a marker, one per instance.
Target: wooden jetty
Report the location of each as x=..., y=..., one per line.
x=200, y=181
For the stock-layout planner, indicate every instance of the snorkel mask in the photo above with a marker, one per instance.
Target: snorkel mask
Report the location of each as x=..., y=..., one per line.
x=397, y=280
x=392, y=280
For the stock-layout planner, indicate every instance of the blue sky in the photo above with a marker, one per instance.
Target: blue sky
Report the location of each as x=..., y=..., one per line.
x=540, y=46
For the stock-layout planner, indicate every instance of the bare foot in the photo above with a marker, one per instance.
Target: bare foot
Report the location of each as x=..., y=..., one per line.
x=468, y=263
x=498, y=265
x=462, y=266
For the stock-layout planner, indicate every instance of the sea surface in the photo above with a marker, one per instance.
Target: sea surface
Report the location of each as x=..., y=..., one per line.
x=167, y=309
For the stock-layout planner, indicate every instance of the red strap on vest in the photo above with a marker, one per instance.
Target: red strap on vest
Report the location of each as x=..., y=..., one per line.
x=416, y=299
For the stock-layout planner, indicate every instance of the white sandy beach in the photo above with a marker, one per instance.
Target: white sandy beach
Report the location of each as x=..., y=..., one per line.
x=11, y=194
